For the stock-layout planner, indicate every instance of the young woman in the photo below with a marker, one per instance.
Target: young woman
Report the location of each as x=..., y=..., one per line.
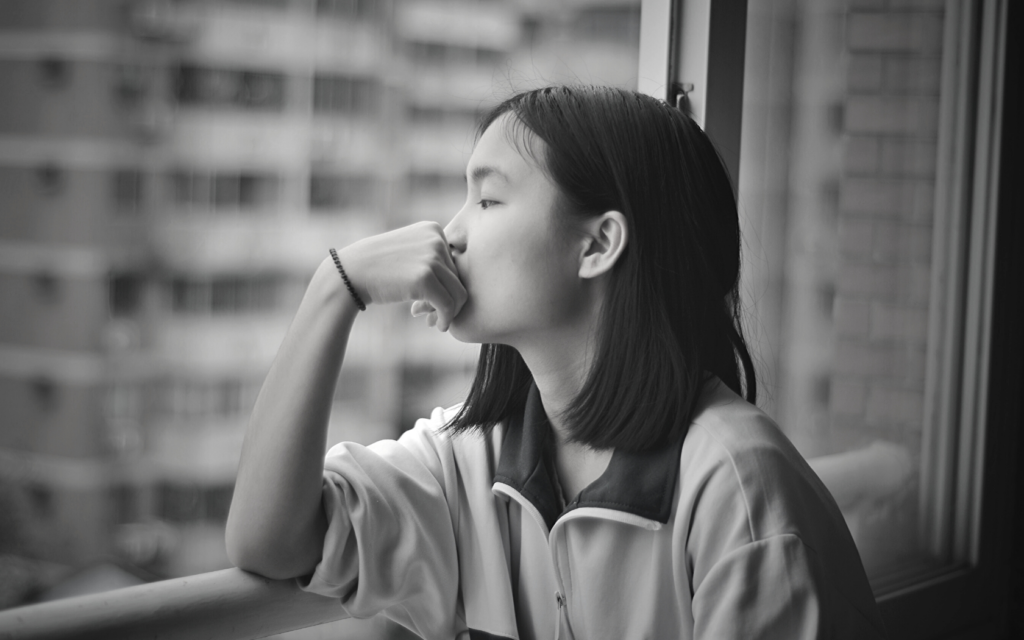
x=605, y=477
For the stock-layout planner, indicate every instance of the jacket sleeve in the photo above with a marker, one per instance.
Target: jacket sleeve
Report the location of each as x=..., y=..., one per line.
x=390, y=542
x=767, y=552
x=764, y=589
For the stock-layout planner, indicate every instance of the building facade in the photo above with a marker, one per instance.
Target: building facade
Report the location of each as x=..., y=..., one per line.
x=171, y=173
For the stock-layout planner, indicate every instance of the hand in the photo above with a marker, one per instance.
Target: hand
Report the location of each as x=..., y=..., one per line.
x=423, y=308
x=408, y=264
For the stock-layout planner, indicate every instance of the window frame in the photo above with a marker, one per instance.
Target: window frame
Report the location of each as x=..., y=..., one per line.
x=702, y=43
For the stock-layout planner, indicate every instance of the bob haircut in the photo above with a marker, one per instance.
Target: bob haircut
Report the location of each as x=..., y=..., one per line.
x=670, y=318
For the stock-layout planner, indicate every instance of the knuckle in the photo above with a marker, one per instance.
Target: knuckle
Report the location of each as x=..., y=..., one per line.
x=423, y=274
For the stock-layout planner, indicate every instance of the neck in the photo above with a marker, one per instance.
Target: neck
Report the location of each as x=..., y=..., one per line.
x=559, y=367
x=560, y=358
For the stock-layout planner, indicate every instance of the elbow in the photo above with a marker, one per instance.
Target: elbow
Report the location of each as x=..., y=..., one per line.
x=251, y=550
x=244, y=550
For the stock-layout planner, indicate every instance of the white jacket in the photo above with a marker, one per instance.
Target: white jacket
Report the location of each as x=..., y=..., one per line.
x=728, y=534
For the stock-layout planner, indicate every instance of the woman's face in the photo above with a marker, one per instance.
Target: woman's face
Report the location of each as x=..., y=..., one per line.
x=516, y=257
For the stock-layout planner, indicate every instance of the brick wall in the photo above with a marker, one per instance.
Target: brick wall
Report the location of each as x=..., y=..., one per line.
x=884, y=219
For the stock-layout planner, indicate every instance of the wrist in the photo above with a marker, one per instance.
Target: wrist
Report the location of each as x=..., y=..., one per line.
x=329, y=290
x=349, y=286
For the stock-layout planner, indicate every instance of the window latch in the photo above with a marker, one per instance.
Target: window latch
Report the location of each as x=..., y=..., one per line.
x=681, y=95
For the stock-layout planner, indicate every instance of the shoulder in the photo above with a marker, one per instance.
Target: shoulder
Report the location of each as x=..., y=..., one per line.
x=752, y=511
x=736, y=461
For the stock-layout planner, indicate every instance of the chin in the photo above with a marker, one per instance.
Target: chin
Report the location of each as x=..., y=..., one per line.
x=467, y=327
x=462, y=329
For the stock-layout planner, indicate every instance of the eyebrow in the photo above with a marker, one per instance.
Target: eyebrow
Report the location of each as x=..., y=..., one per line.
x=485, y=171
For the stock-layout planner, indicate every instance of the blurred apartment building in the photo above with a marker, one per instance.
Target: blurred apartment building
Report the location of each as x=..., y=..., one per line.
x=171, y=173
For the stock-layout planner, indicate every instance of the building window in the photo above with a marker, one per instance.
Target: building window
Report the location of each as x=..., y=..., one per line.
x=434, y=54
x=193, y=398
x=127, y=191
x=346, y=95
x=55, y=72
x=190, y=503
x=47, y=286
x=125, y=294
x=345, y=8
x=191, y=189
x=217, y=502
x=179, y=502
x=124, y=401
x=190, y=296
x=124, y=504
x=332, y=192
x=207, y=87
x=224, y=191
x=464, y=119
x=276, y=5
x=225, y=295
x=427, y=183
x=51, y=179
x=617, y=24
x=132, y=83
x=41, y=499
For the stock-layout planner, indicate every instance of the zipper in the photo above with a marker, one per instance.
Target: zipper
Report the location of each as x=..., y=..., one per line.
x=555, y=538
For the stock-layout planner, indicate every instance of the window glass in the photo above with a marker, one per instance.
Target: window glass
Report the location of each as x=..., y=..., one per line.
x=127, y=191
x=837, y=192
x=125, y=294
x=228, y=88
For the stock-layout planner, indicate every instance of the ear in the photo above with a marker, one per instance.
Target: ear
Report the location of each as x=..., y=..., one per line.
x=604, y=239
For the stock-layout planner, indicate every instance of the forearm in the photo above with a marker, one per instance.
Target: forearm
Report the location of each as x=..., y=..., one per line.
x=276, y=523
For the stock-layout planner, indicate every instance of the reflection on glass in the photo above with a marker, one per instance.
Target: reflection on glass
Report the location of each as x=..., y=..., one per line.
x=169, y=179
x=837, y=183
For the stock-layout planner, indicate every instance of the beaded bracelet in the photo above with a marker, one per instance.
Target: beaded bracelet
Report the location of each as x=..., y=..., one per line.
x=348, y=285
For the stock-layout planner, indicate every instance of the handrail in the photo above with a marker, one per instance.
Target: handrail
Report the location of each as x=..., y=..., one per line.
x=227, y=605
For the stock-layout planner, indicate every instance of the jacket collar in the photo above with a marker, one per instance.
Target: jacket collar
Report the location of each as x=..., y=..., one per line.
x=642, y=484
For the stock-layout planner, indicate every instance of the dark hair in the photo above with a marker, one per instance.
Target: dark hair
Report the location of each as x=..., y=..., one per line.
x=670, y=317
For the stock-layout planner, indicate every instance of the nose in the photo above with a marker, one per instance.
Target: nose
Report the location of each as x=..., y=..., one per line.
x=455, y=233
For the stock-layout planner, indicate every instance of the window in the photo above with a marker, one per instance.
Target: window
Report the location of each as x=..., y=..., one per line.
x=345, y=8
x=333, y=192
x=866, y=141
x=346, y=95
x=188, y=398
x=223, y=191
x=45, y=392
x=179, y=502
x=47, y=286
x=124, y=503
x=127, y=191
x=224, y=295
x=41, y=499
x=125, y=294
x=55, y=72
x=124, y=401
x=208, y=87
x=441, y=55
x=132, y=84
x=191, y=189
x=186, y=503
x=432, y=115
x=51, y=179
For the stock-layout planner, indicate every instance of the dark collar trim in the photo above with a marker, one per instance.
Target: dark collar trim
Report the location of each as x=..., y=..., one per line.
x=476, y=634
x=642, y=484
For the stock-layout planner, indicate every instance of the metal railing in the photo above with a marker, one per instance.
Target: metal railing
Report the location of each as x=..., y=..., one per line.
x=222, y=605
